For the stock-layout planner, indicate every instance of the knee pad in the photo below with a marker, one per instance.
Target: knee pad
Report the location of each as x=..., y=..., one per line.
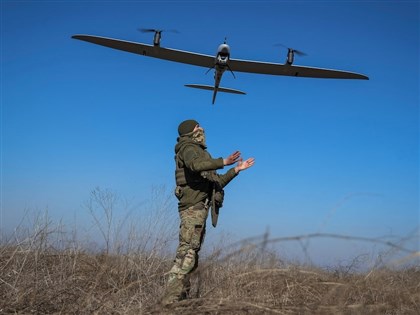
x=189, y=262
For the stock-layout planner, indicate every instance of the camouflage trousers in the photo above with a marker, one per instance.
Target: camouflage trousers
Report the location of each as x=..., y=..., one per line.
x=191, y=236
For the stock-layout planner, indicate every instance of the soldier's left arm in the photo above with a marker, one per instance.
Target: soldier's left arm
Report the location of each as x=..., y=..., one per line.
x=225, y=179
x=234, y=171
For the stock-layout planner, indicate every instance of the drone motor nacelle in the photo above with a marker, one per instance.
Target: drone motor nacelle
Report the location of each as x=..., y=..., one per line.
x=290, y=56
x=157, y=37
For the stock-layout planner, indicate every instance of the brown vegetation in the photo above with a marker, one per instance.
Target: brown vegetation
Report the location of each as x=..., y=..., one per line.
x=43, y=272
x=35, y=278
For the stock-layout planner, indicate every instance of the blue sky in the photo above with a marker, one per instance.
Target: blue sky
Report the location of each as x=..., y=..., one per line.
x=332, y=156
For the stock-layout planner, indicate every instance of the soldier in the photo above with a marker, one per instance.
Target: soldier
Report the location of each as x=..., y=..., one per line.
x=198, y=188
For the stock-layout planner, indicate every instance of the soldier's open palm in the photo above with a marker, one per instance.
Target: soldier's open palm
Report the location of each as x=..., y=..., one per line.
x=233, y=158
x=243, y=165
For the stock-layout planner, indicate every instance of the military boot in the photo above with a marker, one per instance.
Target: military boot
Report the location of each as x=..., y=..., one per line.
x=185, y=294
x=173, y=291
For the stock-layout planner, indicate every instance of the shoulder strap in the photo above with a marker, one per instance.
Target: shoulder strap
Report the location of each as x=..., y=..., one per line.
x=180, y=178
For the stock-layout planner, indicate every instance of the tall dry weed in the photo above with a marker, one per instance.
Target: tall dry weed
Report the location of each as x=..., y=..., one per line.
x=45, y=269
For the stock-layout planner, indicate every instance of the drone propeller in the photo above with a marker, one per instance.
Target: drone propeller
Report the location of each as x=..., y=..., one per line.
x=148, y=30
x=158, y=34
x=291, y=53
x=297, y=52
x=152, y=30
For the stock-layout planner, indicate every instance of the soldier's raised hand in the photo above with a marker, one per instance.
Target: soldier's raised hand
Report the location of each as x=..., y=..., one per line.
x=233, y=158
x=243, y=165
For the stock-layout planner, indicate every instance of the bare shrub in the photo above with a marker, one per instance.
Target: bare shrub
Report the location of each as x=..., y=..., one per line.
x=45, y=270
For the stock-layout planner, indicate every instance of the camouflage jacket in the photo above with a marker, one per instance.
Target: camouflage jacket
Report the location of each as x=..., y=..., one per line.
x=195, y=159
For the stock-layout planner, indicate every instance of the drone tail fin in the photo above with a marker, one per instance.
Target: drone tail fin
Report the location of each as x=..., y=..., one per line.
x=214, y=89
x=211, y=88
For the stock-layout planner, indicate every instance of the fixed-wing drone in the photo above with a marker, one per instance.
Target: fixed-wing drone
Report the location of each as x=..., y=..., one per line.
x=220, y=63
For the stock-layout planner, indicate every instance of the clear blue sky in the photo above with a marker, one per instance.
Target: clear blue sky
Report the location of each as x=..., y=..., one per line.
x=333, y=156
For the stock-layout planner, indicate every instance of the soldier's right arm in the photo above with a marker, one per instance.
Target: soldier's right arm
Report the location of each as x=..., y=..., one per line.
x=197, y=160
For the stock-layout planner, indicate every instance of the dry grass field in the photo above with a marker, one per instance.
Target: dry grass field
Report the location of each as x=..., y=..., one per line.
x=45, y=270
x=37, y=279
